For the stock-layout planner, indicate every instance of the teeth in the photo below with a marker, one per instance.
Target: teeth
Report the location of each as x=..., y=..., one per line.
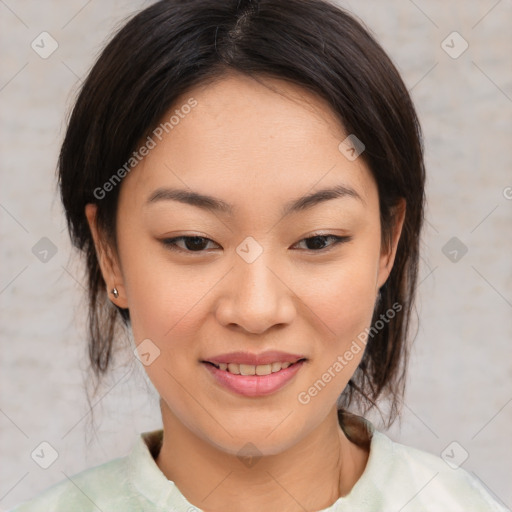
x=234, y=368
x=249, y=369
x=276, y=367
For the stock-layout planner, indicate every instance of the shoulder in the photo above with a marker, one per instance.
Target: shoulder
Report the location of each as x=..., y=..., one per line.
x=130, y=483
x=86, y=491
x=426, y=482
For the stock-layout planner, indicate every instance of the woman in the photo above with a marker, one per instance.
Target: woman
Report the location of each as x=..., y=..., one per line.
x=246, y=182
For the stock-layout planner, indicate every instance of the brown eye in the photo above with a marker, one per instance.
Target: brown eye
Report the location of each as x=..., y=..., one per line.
x=317, y=243
x=191, y=243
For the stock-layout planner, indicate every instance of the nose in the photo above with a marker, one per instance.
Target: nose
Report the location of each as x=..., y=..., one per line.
x=255, y=297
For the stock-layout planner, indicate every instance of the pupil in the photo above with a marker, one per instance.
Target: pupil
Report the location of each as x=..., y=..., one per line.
x=316, y=245
x=194, y=243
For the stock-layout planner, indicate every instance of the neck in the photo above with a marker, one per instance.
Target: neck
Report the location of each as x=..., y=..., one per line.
x=310, y=475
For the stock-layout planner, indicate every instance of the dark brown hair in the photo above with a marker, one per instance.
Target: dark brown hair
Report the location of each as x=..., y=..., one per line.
x=173, y=45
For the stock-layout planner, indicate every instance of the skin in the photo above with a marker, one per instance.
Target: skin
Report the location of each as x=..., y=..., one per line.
x=256, y=155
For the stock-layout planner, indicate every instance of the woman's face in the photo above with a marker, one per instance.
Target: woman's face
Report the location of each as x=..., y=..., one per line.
x=251, y=281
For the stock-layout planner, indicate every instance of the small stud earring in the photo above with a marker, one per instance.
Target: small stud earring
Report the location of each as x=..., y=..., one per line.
x=114, y=292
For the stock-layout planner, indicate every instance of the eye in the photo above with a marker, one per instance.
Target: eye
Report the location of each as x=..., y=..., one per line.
x=191, y=243
x=317, y=242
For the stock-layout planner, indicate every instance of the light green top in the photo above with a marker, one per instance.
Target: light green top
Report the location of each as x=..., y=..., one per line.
x=396, y=478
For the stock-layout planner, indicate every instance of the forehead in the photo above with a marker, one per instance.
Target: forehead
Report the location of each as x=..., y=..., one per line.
x=264, y=136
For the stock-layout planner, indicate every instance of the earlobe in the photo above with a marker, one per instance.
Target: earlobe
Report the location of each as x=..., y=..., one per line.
x=109, y=266
x=388, y=253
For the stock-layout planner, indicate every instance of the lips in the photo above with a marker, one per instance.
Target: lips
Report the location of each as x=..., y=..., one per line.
x=254, y=385
x=254, y=375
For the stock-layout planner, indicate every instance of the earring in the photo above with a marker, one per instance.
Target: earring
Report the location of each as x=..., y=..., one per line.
x=114, y=292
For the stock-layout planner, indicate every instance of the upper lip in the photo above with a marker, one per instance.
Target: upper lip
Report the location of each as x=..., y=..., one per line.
x=271, y=356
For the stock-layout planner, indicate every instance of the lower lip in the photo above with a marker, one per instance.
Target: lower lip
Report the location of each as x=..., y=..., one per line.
x=254, y=385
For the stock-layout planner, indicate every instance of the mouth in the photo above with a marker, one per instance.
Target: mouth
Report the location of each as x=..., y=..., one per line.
x=254, y=380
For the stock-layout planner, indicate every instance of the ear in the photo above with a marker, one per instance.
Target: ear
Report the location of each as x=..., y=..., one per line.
x=388, y=252
x=107, y=258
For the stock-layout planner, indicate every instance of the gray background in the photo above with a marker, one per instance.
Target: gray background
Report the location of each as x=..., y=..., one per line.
x=461, y=370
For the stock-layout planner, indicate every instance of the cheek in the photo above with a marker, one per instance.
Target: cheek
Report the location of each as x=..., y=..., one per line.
x=344, y=298
x=165, y=308
x=342, y=304
x=160, y=295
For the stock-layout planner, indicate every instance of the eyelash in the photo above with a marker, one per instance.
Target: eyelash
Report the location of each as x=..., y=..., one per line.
x=170, y=243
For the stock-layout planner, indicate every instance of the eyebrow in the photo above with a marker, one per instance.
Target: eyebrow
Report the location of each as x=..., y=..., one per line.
x=215, y=205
